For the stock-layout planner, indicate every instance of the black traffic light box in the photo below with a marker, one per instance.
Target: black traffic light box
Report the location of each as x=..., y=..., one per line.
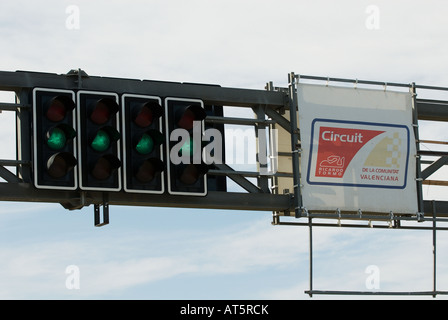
x=54, y=143
x=185, y=126
x=143, y=155
x=99, y=138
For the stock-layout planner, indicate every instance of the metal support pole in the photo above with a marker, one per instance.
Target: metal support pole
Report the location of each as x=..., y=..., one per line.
x=23, y=135
x=310, y=225
x=293, y=106
x=262, y=155
x=419, y=181
x=434, y=248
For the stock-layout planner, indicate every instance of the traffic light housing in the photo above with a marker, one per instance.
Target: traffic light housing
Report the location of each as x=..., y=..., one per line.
x=185, y=126
x=54, y=143
x=143, y=159
x=87, y=139
x=99, y=137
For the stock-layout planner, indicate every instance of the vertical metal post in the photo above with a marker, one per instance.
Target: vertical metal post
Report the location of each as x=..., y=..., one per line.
x=293, y=107
x=260, y=128
x=434, y=248
x=419, y=181
x=97, y=212
x=272, y=128
x=23, y=134
x=310, y=224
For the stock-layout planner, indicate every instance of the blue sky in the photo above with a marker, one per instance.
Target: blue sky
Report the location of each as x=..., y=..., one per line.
x=166, y=253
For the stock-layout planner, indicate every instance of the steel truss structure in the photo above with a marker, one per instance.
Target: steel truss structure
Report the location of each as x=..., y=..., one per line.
x=269, y=107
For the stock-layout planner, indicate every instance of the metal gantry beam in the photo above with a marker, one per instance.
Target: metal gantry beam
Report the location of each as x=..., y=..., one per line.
x=211, y=94
x=25, y=192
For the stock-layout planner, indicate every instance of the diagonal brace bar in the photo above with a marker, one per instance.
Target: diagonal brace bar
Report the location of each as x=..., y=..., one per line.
x=240, y=180
x=436, y=165
x=8, y=175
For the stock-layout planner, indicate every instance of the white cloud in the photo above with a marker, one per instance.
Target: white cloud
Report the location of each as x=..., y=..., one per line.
x=115, y=262
x=114, y=265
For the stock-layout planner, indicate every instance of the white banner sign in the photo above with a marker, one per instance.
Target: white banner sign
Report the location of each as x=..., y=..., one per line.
x=358, y=150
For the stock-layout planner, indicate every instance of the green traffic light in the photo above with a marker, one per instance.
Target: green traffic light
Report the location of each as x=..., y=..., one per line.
x=187, y=148
x=145, y=145
x=101, y=142
x=56, y=139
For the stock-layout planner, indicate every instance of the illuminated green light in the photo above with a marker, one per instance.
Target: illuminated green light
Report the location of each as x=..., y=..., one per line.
x=101, y=142
x=56, y=139
x=145, y=145
x=187, y=148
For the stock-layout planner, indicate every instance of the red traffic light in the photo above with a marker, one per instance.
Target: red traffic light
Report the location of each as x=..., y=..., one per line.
x=186, y=117
x=59, y=107
x=149, y=112
x=191, y=173
x=103, y=110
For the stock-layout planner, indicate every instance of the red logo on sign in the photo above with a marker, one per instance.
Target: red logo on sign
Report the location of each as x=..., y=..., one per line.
x=337, y=147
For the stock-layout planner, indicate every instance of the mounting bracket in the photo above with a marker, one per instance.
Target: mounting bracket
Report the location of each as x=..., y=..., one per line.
x=97, y=213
